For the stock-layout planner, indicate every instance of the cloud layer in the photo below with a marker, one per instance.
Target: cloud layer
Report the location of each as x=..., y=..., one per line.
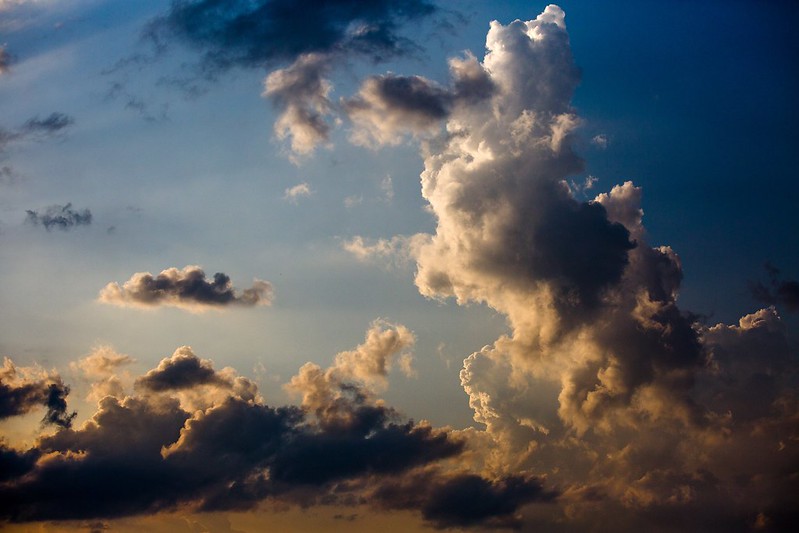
x=186, y=288
x=151, y=451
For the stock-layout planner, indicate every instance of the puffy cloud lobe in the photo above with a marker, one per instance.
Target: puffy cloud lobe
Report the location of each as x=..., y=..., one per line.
x=388, y=106
x=292, y=194
x=62, y=217
x=186, y=288
x=25, y=389
x=300, y=92
x=101, y=367
x=146, y=453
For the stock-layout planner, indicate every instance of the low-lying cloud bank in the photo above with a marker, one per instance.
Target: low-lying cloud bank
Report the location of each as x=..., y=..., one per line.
x=169, y=445
x=187, y=288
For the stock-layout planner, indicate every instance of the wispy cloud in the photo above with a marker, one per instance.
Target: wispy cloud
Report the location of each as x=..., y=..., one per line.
x=62, y=217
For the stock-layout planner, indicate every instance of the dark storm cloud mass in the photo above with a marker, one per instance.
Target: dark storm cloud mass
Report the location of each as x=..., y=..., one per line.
x=146, y=453
x=259, y=33
x=779, y=292
x=188, y=288
x=23, y=390
x=62, y=217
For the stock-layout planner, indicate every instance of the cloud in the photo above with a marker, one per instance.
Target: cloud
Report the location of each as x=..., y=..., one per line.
x=300, y=92
x=101, y=367
x=185, y=288
x=600, y=141
x=396, y=251
x=36, y=129
x=25, y=389
x=637, y=412
x=5, y=60
x=259, y=33
x=781, y=292
x=62, y=217
x=147, y=452
x=310, y=37
x=292, y=194
x=389, y=106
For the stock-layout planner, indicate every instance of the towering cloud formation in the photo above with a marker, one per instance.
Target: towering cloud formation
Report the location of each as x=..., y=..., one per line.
x=187, y=288
x=632, y=407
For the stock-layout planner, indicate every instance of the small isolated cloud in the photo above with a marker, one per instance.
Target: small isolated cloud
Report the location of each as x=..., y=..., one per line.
x=387, y=186
x=601, y=141
x=23, y=389
x=293, y=194
x=62, y=217
x=186, y=288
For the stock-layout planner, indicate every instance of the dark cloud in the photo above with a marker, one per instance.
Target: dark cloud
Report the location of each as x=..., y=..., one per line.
x=148, y=452
x=23, y=390
x=183, y=370
x=779, y=292
x=36, y=129
x=464, y=500
x=187, y=288
x=389, y=105
x=259, y=33
x=60, y=216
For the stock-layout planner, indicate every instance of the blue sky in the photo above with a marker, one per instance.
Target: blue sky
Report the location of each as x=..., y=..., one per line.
x=176, y=142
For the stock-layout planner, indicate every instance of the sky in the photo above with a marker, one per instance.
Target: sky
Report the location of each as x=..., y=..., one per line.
x=407, y=265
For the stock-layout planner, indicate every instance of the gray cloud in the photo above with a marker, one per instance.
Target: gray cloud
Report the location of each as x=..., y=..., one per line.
x=187, y=288
x=779, y=292
x=25, y=389
x=259, y=33
x=62, y=217
x=146, y=453
x=388, y=106
x=36, y=129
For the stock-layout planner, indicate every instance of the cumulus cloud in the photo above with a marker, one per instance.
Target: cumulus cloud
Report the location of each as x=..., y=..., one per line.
x=600, y=141
x=62, y=217
x=310, y=37
x=389, y=106
x=149, y=452
x=637, y=411
x=23, y=389
x=101, y=367
x=292, y=194
x=186, y=288
x=300, y=92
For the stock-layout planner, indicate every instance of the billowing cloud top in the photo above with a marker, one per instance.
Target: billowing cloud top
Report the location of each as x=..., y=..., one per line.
x=186, y=288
